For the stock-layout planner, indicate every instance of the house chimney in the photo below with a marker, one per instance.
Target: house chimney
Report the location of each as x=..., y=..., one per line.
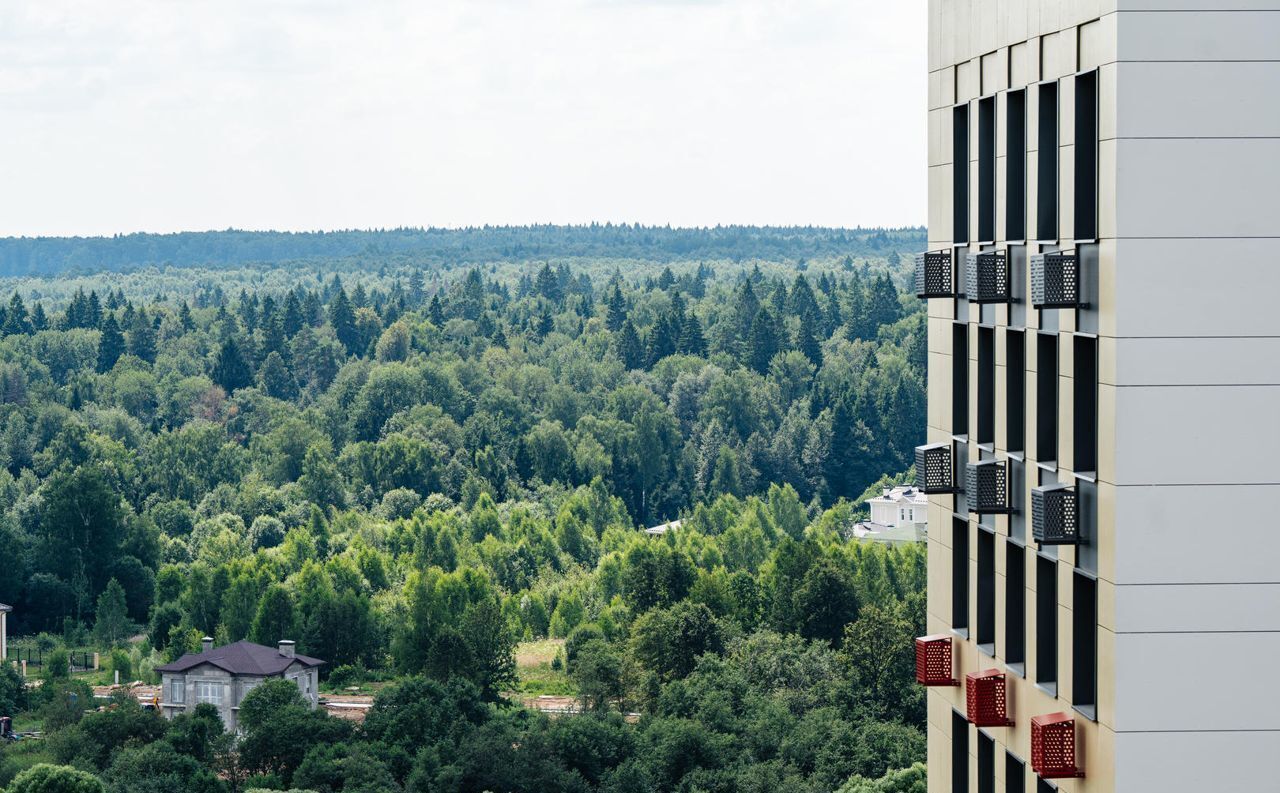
x=286, y=648
x=206, y=644
x=887, y=491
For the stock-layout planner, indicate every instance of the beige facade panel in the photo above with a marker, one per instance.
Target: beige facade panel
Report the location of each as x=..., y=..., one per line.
x=1188, y=100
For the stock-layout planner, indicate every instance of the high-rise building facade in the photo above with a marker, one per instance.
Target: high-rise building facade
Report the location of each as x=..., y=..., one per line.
x=1104, y=396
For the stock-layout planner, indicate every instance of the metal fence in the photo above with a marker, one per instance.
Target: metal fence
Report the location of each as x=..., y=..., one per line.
x=35, y=657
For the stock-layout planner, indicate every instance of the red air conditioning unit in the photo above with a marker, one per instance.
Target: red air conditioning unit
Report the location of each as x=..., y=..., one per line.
x=987, y=702
x=933, y=661
x=1053, y=746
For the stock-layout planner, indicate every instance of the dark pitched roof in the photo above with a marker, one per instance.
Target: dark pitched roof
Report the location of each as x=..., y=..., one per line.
x=241, y=658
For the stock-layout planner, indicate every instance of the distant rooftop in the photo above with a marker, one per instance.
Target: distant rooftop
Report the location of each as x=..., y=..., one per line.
x=3, y=607
x=241, y=658
x=899, y=493
x=663, y=528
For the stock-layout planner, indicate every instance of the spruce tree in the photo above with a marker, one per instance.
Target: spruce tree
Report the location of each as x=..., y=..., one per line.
x=343, y=321
x=110, y=345
x=142, y=338
x=229, y=369
x=629, y=348
x=617, y=313
x=763, y=342
x=807, y=339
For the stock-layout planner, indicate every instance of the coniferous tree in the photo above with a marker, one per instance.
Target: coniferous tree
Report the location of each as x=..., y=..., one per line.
x=292, y=320
x=39, y=320
x=142, y=338
x=692, y=340
x=435, y=311
x=16, y=319
x=230, y=369
x=629, y=348
x=343, y=321
x=763, y=342
x=807, y=339
x=617, y=310
x=110, y=345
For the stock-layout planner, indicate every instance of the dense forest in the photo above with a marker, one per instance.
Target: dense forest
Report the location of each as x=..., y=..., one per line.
x=439, y=247
x=411, y=469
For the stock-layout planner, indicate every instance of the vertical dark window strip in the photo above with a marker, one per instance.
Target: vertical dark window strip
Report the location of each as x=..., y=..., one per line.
x=960, y=174
x=1045, y=787
x=1047, y=164
x=1084, y=641
x=1046, y=620
x=986, y=633
x=960, y=378
x=1015, y=774
x=1086, y=157
x=1015, y=164
x=1046, y=397
x=987, y=169
x=1015, y=367
x=986, y=764
x=959, y=573
x=986, y=385
x=1085, y=407
x=959, y=753
x=1015, y=604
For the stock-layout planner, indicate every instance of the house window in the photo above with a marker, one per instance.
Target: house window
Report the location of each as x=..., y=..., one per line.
x=1015, y=774
x=1045, y=787
x=1085, y=409
x=1046, y=621
x=1016, y=166
x=959, y=753
x=1015, y=370
x=1084, y=642
x=959, y=573
x=987, y=169
x=986, y=385
x=1086, y=157
x=986, y=764
x=960, y=378
x=1015, y=604
x=1047, y=164
x=986, y=635
x=209, y=693
x=960, y=174
x=177, y=692
x=1047, y=397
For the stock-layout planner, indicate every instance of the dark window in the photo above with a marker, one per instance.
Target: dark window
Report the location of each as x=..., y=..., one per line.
x=986, y=589
x=986, y=385
x=1015, y=166
x=959, y=753
x=1045, y=787
x=1046, y=620
x=987, y=169
x=1015, y=774
x=1046, y=397
x=959, y=573
x=1084, y=641
x=986, y=764
x=960, y=378
x=960, y=174
x=1015, y=390
x=1085, y=409
x=1086, y=156
x=1047, y=164
x=1015, y=603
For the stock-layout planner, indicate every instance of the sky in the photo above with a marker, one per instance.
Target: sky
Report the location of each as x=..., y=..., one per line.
x=168, y=115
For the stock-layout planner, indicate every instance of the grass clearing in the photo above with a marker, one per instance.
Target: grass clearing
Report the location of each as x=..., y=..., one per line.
x=534, y=670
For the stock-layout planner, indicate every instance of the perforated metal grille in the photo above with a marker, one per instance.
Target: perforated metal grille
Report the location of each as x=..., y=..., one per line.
x=1053, y=746
x=987, y=486
x=934, y=469
x=985, y=699
x=933, y=661
x=1055, y=280
x=933, y=275
x=1055, y=515
x=987, y=277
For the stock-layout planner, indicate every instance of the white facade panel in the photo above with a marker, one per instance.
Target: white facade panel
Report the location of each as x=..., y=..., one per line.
x=1172, y=287
x=1196, y=681
x=1177, y=535
x=1191, y=100
x=1197, y=435
x=1196, y=762
x=1197, y=187
x=1218, y=361
x=1180, y=608
x=1218, y=35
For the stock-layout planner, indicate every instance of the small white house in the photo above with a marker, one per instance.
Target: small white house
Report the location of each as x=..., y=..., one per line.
x=222, y=676
x=662, y=528
x=899, y=514
x=899, y=505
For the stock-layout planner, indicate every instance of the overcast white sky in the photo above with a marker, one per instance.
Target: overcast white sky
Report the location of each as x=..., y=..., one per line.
x=134, y=115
